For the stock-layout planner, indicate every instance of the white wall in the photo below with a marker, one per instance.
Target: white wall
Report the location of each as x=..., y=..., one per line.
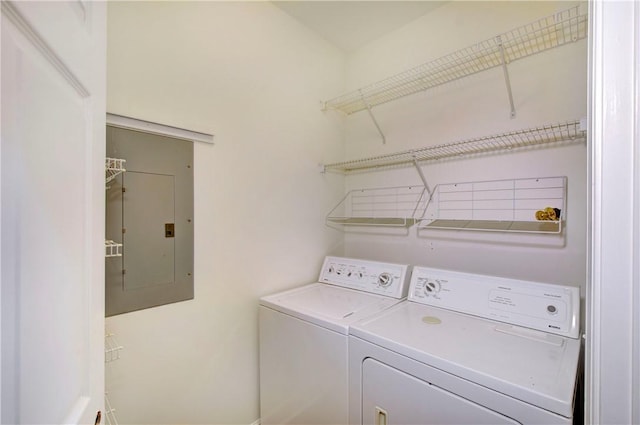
x=252, y=76
x=248, y=73
x=548, y=88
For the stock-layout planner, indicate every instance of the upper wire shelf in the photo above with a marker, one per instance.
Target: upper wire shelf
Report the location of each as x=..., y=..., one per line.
x=544, y=34
x=543, y=135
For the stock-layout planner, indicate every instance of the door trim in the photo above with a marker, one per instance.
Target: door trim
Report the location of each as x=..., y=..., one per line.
x=612, y=358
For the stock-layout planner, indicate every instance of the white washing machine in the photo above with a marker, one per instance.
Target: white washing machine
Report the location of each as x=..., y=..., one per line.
x=304, y=339
x=468, y=349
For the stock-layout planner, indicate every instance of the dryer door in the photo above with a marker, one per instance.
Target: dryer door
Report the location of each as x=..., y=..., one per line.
x=393, y=397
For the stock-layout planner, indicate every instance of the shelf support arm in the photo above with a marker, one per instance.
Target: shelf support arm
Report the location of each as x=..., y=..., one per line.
x=421, y=174
x=373, y=118
x=506, y=75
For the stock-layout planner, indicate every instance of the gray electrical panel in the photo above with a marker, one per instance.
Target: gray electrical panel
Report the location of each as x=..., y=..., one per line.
x=149, y=209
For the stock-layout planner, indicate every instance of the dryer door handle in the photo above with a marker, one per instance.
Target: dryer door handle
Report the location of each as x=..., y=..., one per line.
x=381, y=416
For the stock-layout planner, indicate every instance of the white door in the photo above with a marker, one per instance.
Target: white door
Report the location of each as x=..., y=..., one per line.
x=52, y=214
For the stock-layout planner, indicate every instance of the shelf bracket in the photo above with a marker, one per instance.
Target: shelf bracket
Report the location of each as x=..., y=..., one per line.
x=506, y=75
x=373, y=118
x=421, y=174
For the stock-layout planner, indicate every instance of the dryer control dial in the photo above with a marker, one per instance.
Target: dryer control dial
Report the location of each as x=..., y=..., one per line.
x=432, y=287
x=385, y=279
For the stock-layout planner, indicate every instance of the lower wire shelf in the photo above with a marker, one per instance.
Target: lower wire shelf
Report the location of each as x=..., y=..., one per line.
x=112, y=249
x=398, y=207
x=373, y=221
x=109, y=412
x=496, y=225
x=114, y=167
x=111, y=353
x=533, y=205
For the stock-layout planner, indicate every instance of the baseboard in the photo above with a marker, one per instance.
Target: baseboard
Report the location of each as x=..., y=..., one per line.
x=257, y=422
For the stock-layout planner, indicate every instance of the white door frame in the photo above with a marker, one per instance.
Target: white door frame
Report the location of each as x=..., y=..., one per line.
x=613, y=291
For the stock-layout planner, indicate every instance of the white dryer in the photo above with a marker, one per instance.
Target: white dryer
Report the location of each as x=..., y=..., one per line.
x=304, y=339
x=468, y=349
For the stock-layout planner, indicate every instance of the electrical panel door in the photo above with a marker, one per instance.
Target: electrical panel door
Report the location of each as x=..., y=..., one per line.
x=148, y=206
x=149, y=210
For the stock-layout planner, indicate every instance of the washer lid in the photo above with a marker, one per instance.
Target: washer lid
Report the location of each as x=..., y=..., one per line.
x=328, y=306
x=536, y=367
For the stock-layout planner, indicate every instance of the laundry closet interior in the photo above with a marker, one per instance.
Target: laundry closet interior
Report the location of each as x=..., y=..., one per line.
x=377, y=151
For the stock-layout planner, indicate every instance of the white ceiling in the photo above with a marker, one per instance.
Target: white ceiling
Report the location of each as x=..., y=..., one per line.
x=351, y=24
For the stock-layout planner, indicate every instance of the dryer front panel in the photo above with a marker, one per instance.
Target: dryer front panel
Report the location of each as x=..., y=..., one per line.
x=393, y=397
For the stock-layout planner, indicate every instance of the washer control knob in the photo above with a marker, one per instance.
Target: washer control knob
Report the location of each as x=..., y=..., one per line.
x=385, y=279
x=431, y=287
x=552, y=309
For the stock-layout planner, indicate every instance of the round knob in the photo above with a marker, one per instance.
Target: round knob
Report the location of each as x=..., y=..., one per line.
x=431, y=287
x=385, y=279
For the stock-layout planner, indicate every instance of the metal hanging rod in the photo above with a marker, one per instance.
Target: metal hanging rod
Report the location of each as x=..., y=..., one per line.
x=562, y=28
x=538, y=136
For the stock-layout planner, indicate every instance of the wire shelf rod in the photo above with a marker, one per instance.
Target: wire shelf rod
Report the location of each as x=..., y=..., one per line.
x=507, y=80
x=544, y=34
x=543, y=135
x=373, y=118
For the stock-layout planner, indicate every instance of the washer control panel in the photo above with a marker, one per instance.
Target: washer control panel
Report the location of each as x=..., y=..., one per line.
x=371, y=276
x=542, y=306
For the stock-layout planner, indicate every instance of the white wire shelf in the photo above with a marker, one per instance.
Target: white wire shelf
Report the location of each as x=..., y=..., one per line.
x=534, y=205
x=109, y=412
x=111, y=348
x=113, y=167
x=384, y=207
x=112, y=249
x=111, y=353
x=538, y=136
x=544, y=34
